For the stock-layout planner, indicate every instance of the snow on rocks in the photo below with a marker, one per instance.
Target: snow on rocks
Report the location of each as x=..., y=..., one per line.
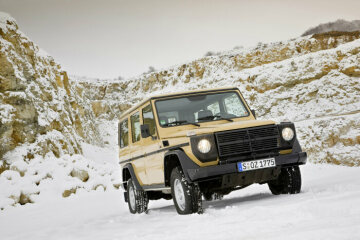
x=48, y=176
x=298, y=80
x=37, y=99
x=332, y=139
x=43, y=126
x=7, y=22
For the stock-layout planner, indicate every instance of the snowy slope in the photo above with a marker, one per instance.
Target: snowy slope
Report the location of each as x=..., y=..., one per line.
x=48, y=122
x=327, y=208
x=297, y=80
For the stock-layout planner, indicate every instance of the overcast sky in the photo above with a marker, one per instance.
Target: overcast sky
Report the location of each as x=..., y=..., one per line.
x=110, y=38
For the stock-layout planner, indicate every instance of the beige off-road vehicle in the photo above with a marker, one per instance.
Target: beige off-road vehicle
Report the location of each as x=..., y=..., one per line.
x=203, y=144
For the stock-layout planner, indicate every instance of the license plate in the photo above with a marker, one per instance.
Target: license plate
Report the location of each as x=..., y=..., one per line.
x=256, y=164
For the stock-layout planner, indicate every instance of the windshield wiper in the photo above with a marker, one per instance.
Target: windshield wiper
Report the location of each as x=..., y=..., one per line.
x=207, y=118
x=181, y=122
x=223, y=118
x=216, y=116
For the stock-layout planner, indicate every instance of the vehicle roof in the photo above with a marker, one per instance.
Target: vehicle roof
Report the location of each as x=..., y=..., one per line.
x=174, y=94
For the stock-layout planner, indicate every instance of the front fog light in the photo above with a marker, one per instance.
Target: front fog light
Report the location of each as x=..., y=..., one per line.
x=204, y=146
x=287, y=134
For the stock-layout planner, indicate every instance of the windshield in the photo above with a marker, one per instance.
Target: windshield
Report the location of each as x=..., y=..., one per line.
x=200, y=108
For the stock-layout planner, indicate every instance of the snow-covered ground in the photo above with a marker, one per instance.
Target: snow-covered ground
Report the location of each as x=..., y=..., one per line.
x=327, y=208
x=315, y=86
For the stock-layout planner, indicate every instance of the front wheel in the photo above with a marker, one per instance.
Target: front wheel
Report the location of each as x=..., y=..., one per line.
x=186, y=197
x=288, y=182
x=137, y=199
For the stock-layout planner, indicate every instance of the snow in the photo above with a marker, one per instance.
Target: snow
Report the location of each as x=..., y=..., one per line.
x=47, y=177
x=310, y=88
x=5, y=18
x=299, y=87
x=327, y=208
x=46, y=121
x=297, y=82
x=6, y=113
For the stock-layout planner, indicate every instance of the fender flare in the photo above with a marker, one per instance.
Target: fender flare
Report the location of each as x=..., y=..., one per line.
x=296, y=146
x=129, y=167
x=185, y=162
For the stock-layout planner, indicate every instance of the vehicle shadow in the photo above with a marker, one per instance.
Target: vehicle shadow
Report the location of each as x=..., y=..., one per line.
x=234, y=201
x=221, y=204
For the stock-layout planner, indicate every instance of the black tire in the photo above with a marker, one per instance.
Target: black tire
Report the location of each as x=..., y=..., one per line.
x=288, y=182
x=137, y=199
x=188, y=199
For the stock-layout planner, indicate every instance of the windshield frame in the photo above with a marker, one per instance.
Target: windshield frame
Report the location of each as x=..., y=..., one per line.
x=238, y=93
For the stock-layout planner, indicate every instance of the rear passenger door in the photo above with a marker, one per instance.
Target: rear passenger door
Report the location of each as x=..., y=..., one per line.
x=137, y=151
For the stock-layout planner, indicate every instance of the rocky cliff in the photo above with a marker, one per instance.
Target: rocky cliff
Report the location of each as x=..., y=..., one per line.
x=339, y=25
x=38, y=104
x=313, y=81
x=44, y=121
x=209, y=70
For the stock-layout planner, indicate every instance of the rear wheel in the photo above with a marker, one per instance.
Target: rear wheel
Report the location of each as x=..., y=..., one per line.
x=288, y=182
x=186, y=196
x=137, y=199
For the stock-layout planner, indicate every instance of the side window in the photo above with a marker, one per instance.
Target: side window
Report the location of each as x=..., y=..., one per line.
x=148, y=118
x=135, y=127
x=124, y=133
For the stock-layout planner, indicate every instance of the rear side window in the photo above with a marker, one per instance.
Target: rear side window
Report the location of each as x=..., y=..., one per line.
x=148, y=118
x=135, y=127
x=124, y=133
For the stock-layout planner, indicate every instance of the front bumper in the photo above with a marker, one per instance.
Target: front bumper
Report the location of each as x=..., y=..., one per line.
x=204, y=173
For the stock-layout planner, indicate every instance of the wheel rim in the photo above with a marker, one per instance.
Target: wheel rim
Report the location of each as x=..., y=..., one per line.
x=179, y=194
x=132, y=197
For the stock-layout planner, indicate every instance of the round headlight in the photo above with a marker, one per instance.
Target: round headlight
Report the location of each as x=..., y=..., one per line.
x=204, y=146
x=287, y=134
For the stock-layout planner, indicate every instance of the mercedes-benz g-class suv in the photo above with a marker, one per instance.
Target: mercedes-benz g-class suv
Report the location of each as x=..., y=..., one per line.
x=203, y=144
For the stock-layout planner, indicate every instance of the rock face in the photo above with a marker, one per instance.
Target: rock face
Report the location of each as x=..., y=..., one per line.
x=38, y=105
x=208, y=70
x=312, y=78
x=108, y=98
x=44, y=123
x=339, y=25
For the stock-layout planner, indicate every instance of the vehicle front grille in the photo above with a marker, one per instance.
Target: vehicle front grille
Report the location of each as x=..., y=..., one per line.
x=247, y=141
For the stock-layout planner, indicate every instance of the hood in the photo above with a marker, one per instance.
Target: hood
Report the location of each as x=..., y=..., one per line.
x=217, y=126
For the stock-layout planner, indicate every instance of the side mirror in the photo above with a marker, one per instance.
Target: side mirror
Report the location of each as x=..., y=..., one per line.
x=253, y=113
x=145, y=132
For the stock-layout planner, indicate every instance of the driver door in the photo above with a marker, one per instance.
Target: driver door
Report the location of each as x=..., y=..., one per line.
x=154, y=162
